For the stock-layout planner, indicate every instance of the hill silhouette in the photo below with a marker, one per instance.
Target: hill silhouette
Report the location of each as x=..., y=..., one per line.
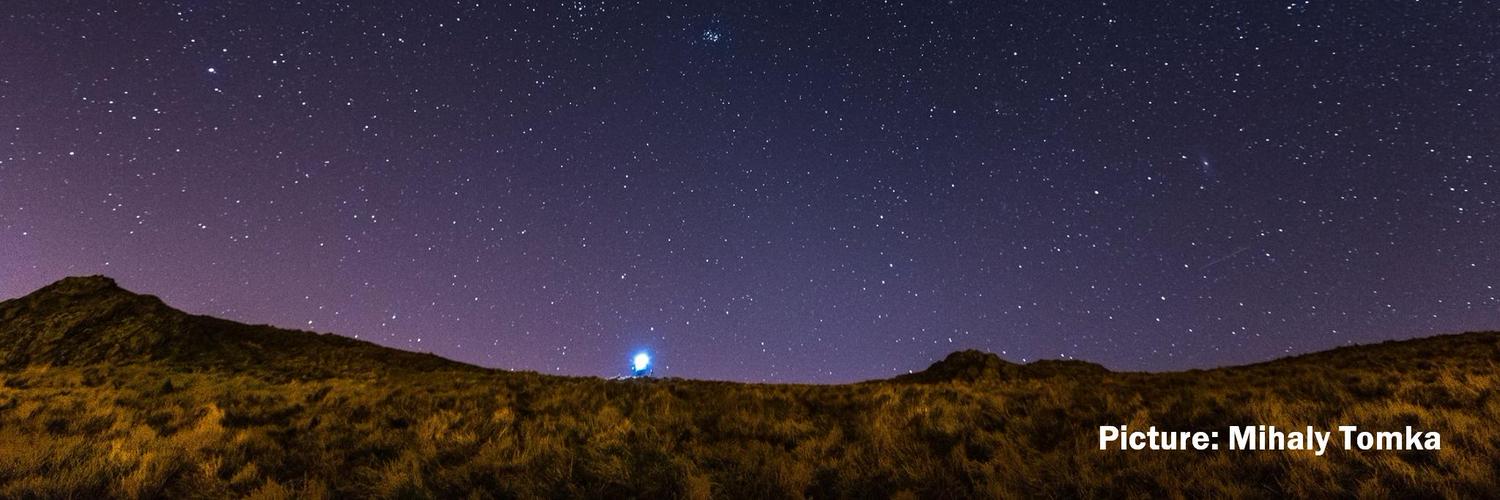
x=973, y=366
x=84, y=320
x=108, y=393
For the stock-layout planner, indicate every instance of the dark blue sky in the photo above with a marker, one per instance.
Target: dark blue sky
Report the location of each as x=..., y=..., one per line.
x=819, y=192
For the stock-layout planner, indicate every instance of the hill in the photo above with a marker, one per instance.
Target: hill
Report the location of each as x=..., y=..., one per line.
x=107, y=393
x=86, y=320
x=975, y=366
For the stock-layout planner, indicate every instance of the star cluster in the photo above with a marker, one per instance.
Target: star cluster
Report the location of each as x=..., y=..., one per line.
x=814, y=192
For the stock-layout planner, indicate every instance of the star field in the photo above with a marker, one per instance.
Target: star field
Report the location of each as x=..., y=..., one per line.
x=818, y=192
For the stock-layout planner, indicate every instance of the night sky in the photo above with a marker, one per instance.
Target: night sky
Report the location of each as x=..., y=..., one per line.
x=815, y=192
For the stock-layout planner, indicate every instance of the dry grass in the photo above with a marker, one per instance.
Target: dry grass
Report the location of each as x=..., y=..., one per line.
x=146, y=430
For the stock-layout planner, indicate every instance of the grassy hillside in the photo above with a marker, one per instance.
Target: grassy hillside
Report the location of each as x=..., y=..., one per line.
x=108, y=393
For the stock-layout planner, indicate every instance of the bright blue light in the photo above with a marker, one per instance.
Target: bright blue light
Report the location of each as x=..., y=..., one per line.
x=642, y=361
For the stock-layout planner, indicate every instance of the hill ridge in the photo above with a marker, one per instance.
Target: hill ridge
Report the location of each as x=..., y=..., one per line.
x=91, y=319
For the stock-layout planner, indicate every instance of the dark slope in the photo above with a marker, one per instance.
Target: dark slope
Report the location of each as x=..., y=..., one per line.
x=1401, y=355
x=84, y=320
x=1398, y=355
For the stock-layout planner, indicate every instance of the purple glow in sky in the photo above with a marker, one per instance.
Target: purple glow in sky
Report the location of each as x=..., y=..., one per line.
x=803, y=192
